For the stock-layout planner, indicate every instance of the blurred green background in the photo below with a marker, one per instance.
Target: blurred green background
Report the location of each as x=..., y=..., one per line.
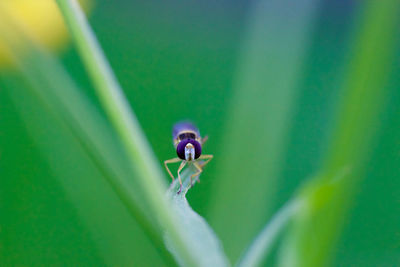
x=187, y=60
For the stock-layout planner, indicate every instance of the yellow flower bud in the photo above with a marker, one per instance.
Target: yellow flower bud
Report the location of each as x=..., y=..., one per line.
x=41, y=20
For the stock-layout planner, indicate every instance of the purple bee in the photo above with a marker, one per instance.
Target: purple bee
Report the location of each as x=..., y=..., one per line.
x=188, y=144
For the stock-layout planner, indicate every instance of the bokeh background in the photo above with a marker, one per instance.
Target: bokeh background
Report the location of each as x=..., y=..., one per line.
x=261, y=78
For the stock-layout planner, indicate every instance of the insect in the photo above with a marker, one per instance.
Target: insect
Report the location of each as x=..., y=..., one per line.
x=188, y=144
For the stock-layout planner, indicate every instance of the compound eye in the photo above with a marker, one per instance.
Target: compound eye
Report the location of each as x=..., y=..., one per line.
x=187, y=136
x=180, y=149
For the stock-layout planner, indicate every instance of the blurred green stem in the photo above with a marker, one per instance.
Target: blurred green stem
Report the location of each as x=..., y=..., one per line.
x=262, y=244
x=357, y=122
x=265, y=91
x=51, y=85
x=117, y=108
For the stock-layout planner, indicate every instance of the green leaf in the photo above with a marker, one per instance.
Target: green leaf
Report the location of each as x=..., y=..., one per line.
x=140, y=155
x=261, y=246
x=51, y=85
x=313, y=235
x=208, y=247
x=312, y=196
x=80, y=176
x=257, y=124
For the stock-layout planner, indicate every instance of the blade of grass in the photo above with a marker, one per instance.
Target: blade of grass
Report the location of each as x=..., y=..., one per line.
x=111, y=96
x=303, y=202
x=314, y=234
x=256, y=133
x=261, y=246
x=113, y=230
x=58, y=93
x=198, y=229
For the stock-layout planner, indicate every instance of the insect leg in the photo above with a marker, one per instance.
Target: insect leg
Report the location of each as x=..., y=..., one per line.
x=207, y=159
x=198, y=167
x=174, y=160
x=204, y=139
x=179, y=175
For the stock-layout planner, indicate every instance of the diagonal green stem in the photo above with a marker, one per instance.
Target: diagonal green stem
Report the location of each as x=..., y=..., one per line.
x=50, y=84
x=363, y=97
x=127, y=127
x=265, y=91
x=261, y=246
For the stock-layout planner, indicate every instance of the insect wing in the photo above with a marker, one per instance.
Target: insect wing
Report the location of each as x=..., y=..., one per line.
x=182, y=127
